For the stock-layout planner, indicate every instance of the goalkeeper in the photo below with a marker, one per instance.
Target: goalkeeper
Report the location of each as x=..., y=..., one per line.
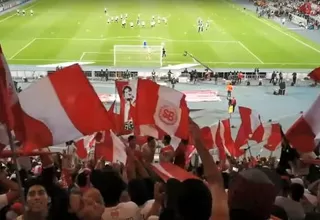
x=144, y=44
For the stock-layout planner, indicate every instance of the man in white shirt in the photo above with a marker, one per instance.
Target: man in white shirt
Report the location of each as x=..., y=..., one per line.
x=111, y=187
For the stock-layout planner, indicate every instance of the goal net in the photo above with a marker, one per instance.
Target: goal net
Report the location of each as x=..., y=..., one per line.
x=137, y=55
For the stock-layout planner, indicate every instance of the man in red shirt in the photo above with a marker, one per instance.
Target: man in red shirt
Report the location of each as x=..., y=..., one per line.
x=233, y=103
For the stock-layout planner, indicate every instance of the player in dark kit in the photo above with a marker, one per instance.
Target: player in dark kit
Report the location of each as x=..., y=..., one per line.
x=164, y=52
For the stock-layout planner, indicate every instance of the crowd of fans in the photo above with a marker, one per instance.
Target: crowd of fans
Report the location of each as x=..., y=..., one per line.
x=289, y=8
x=58, y=187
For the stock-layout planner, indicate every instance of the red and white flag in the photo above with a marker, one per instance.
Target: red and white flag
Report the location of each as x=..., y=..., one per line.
x=225, y=142
x=303, y=134
x=251, y=127
x=83, y=145
x=10, y=110
x=111, y=148
x=272, y=133
x=62, y=107
x=163, y=107
x=208, y=135
x=219, y=136
x=168, y=170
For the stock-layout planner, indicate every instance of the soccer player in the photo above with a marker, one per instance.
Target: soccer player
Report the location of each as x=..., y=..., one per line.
x=31, y=12
x=152, y=17
x=126, y=16
x=165, y=20
x=117, y=19
x=138, y=20
x=153, y=23
x=201, y=25
x=121, y=16
x=111, y=19
x=131, y=24
x=164, y=52
x=108, y=21
x=159, y=20
x=145, y=44
x=207, y=25
x=124, y=23
x=105, y=10
x=143, y=23
x=23, y=12
x=18, y=12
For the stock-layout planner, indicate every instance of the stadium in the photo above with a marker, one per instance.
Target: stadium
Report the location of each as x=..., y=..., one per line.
x=236, y=36
x=158, y=110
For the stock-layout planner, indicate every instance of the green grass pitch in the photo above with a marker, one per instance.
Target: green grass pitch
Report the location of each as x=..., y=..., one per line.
x=74, y=30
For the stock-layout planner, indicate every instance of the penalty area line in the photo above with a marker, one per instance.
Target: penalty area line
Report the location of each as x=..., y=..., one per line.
x=249, y=51
x=23, y=48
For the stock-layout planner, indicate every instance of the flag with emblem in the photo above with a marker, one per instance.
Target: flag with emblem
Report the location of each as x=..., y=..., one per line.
x=10, y=110
x=163, y=107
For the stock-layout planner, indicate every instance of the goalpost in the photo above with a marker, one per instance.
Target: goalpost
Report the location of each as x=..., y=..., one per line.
x=137, y=55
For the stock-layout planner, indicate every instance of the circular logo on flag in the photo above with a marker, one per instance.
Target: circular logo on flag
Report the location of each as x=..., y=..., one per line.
x=168, y=115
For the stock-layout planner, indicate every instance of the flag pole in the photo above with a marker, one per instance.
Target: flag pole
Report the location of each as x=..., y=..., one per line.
x=249, y=149
x=15, y=165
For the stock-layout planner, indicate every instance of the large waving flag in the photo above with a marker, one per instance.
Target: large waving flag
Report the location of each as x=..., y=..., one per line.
x=303, y=134
x=10, y=110
x=62, y=107
x=163, y=107
x=251, y=127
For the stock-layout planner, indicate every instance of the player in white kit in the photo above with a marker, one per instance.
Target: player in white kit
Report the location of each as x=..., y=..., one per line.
x=131, y=24
x=124, y=23
x=31, y=12
x=143, y=23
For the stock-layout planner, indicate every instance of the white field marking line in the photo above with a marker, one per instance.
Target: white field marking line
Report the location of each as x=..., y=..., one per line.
x=138, y=61
x=14, y=14
x=131, y=52
x=83, y=54
x=277, y=29
x=133, y=40
x=231, y=63
x=23, y=48
x=249, y=51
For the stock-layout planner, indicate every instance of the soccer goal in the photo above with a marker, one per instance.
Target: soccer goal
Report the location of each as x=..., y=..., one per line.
x=137, y=55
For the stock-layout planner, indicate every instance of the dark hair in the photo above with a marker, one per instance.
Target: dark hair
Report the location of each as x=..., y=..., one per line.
x=149, y=139
x=110, y=185
x=35, y=181
x=297, y=191
x=125, y=88
x=185, y=141
x=167, y=139
x=82, y=179
x=131, y=137
x=195, y=201
x=173, y=191
x=138, y=191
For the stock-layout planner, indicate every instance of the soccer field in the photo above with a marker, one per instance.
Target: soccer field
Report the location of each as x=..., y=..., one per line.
x=77, y=30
